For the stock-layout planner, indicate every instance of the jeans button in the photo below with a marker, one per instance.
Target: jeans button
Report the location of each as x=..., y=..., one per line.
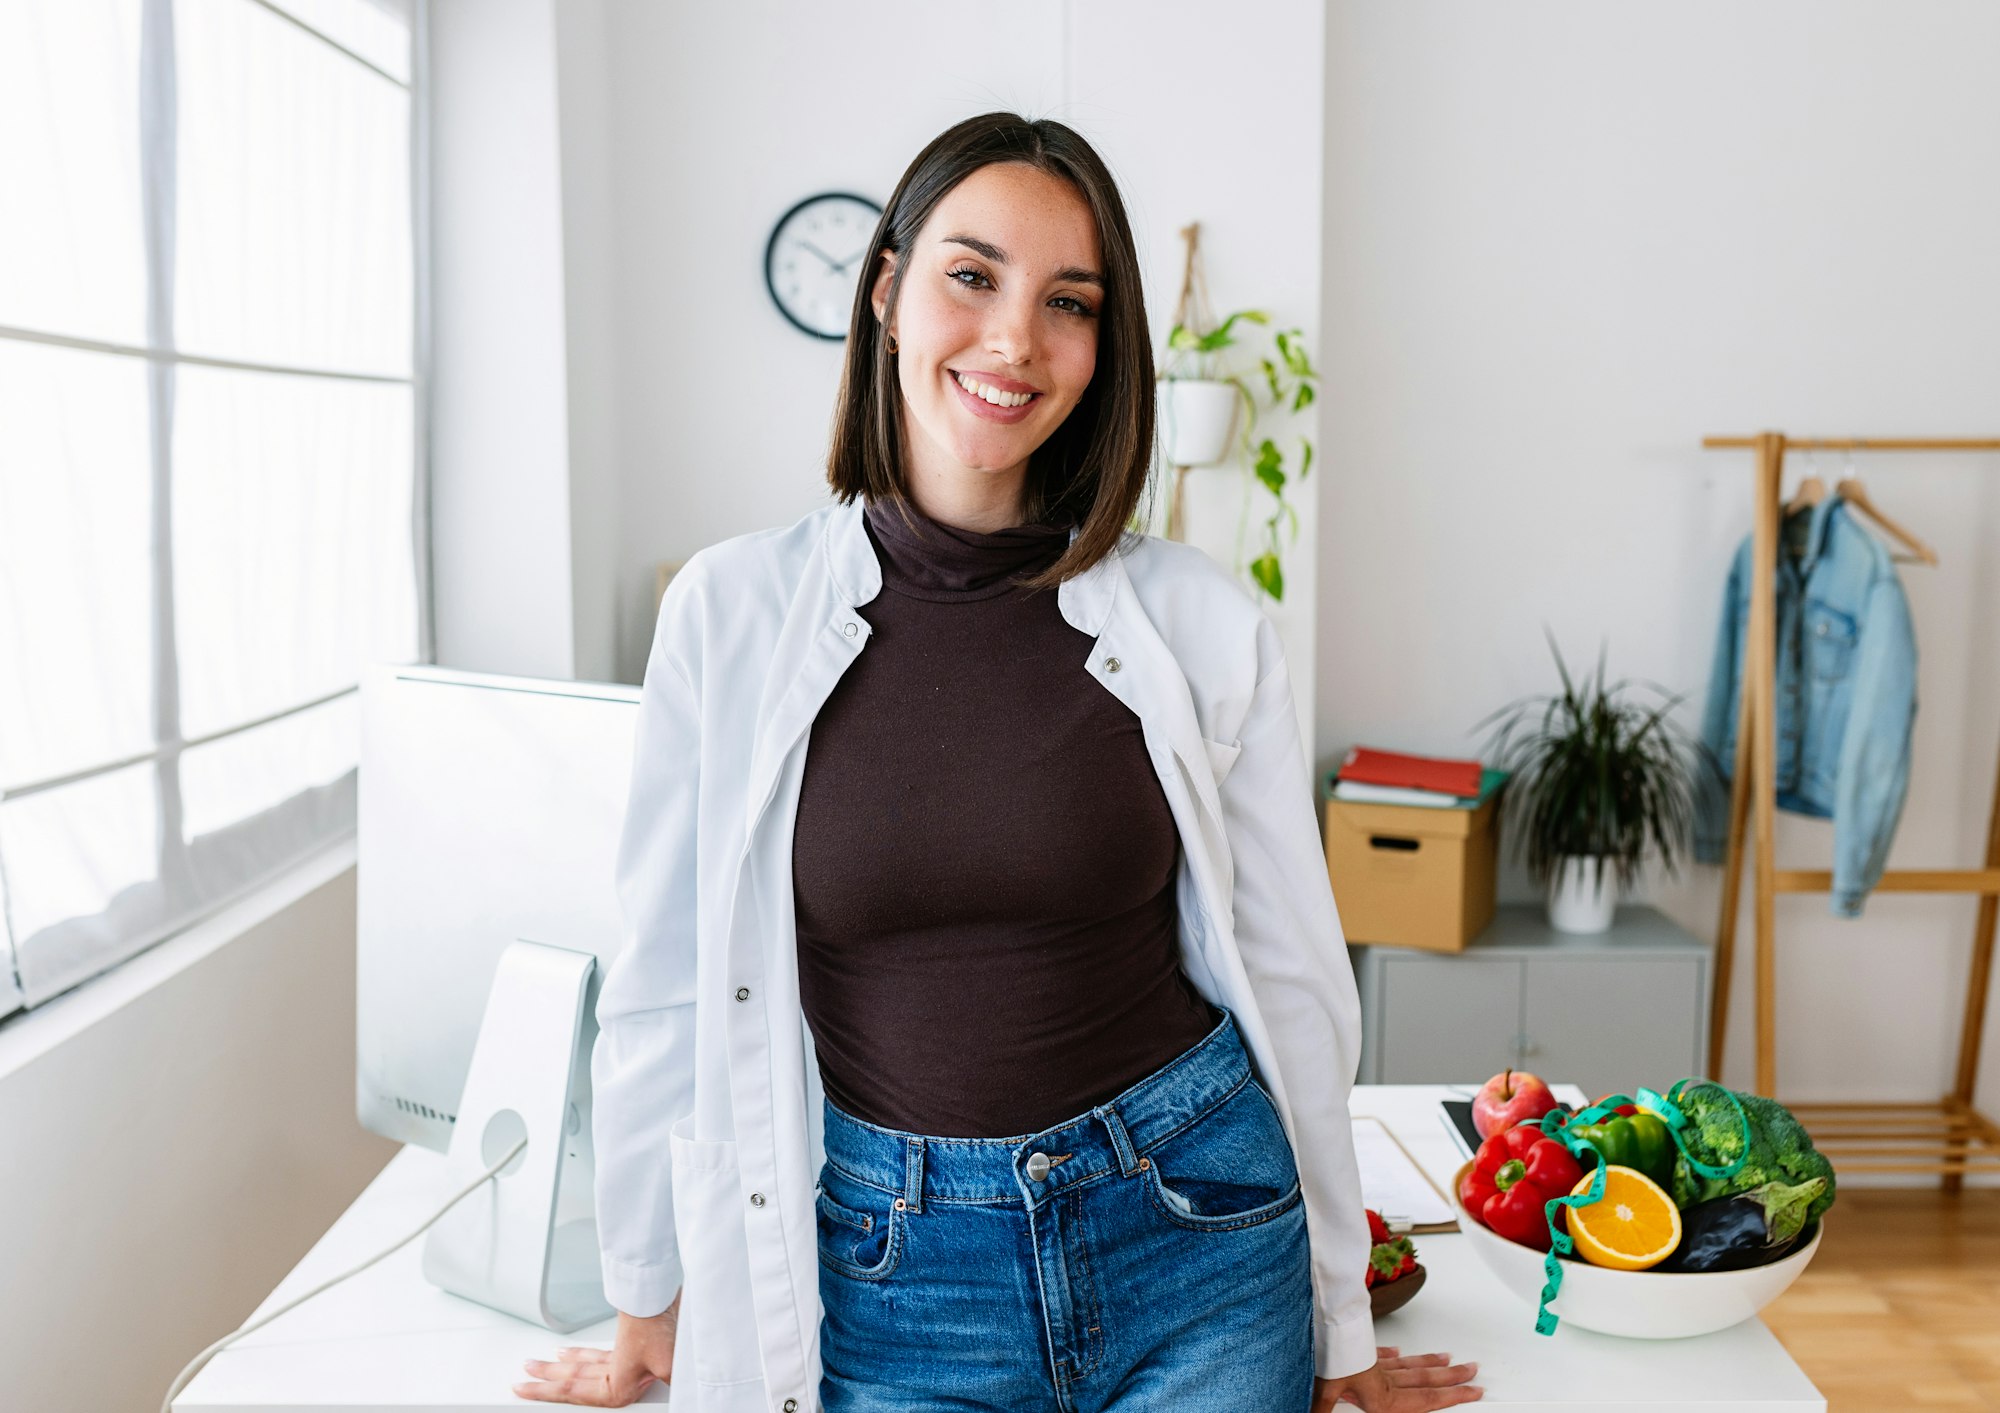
x=1038, y=1166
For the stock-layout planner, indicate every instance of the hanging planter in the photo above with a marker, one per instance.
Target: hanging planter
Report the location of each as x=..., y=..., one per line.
x=1196, y=416
x=1197, y=423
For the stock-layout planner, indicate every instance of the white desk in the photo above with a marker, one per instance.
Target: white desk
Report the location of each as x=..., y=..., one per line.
x=388, y=1340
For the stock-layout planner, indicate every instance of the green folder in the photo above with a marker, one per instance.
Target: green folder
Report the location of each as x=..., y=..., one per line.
x=1490, y=780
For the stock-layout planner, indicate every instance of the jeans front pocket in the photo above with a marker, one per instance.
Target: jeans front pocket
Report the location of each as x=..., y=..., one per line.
x=1230, y=1169
x=862, y=1235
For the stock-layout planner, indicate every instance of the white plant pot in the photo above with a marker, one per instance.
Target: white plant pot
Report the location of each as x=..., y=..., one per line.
x=1583, y=893
x=1196, y=416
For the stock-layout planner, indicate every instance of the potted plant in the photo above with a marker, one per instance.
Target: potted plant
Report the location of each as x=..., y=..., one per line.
x=1197, y=410
x=1197, y=414
x=1596, y=779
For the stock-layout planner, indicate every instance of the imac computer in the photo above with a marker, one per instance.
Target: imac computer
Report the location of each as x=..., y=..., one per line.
x=488, y=817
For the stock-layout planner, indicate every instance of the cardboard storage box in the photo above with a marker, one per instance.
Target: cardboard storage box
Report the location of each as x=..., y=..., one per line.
x=1408, y=876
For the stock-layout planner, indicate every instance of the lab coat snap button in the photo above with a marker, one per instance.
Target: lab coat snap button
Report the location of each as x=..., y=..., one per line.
x=1038, y=1166
x=1112, y=664
x=742, y=993
x=791, y=1405
x=756, y=1199
x=850, y=630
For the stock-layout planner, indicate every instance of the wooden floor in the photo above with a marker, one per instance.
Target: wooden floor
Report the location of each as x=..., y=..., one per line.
x=1901, y=1307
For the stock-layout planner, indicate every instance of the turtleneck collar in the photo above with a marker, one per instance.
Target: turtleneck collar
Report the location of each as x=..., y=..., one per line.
x=931, y=560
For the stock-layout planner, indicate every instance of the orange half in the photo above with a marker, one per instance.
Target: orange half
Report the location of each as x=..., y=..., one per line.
x=1633, y=1226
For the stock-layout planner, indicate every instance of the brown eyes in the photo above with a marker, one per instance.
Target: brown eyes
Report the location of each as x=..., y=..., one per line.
x=1079, y=306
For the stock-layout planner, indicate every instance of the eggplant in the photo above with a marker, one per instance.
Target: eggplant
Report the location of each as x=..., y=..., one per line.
x=1745, y=1229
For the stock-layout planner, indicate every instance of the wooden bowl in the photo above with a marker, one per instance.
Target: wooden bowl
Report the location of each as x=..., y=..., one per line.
x=1394, y=1295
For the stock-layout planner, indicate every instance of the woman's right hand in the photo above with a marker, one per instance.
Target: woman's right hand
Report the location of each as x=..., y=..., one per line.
x=642, y=1351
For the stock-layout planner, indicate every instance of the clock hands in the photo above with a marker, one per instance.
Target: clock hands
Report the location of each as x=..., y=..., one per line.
x=836, y=266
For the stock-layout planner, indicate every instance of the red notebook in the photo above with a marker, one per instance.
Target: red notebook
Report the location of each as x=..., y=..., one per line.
x=1450, y=777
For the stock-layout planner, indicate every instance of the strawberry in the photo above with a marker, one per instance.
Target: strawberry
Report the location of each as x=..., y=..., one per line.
x=1390, y=1257
x=1392, y=1260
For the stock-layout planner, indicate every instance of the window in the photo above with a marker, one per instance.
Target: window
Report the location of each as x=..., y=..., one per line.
x=210, y=479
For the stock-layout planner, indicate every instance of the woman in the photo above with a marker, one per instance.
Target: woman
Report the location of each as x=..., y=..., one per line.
x=1038, y=870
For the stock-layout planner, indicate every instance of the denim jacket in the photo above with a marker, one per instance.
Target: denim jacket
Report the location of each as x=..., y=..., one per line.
x=1846, y=688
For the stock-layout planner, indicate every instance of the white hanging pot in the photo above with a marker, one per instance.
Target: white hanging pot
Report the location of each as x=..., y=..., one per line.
x=1583, y=893
x=1196, y=416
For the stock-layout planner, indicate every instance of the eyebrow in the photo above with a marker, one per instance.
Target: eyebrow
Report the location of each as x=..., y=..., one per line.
x=1075, y=274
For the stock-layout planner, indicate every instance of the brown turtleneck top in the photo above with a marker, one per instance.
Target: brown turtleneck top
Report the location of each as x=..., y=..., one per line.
x=983, y=862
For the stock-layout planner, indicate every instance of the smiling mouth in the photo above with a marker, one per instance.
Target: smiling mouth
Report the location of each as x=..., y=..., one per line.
x=991, y=396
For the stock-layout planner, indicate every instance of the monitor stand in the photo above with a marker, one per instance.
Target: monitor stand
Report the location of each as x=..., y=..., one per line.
x=526, y=1242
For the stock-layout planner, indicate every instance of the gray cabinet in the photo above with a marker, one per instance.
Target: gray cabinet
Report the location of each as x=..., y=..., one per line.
x=1624, y=1008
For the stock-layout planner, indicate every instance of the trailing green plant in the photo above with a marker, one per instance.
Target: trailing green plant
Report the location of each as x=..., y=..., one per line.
x=1292, y=381
x=1594, y=774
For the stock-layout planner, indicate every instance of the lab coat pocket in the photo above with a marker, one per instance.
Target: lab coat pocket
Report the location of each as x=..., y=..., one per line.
x=1221, y=756
x=718, y=1320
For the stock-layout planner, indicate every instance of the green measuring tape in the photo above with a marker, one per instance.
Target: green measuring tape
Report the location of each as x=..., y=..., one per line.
x=1557, y=1123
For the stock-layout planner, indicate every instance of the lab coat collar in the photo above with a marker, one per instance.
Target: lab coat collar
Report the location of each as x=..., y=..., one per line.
x=1085, y=600
x=824, y=632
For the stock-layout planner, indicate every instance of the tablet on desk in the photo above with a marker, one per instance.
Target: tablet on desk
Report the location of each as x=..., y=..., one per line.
x=1458, y=1118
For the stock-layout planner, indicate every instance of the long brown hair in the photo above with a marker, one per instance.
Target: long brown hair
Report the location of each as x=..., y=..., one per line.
x=1093, y=470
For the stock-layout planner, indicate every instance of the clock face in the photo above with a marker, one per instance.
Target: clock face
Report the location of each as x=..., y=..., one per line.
x=814, y=260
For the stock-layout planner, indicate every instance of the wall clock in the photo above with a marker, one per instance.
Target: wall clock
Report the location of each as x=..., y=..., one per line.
x=813, y=260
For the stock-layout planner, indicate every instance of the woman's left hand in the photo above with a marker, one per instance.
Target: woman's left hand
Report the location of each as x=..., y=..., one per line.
x=1416, y=1384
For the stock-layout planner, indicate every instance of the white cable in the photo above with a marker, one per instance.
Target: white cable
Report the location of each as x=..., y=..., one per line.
x=194, y=1365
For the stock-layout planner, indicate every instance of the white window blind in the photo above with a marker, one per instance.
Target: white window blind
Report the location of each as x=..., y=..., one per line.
x=210, y=480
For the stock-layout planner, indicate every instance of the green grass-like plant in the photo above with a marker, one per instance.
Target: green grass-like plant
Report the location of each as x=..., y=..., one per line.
x=1593, y=773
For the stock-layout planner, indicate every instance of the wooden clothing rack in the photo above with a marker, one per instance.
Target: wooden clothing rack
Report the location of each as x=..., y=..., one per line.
x=1950, y=1136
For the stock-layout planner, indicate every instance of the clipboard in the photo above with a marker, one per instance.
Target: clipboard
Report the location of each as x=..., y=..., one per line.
x=1387, y=1170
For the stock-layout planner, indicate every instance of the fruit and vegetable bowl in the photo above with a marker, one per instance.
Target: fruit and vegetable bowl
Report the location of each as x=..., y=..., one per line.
x=1710, y=1208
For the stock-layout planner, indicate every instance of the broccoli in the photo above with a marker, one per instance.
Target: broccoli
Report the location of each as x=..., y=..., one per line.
x=1780, y=1148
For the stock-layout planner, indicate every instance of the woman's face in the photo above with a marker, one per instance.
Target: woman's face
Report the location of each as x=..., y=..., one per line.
x=1004, y=288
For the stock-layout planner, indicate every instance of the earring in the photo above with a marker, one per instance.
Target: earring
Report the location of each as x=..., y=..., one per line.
x=892, y=343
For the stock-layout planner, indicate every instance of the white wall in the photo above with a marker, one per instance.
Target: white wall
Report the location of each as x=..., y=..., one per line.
x=502, y=551
x=1539, y=253
x=592, y=295
x=181, y=1145
x=720, y=117
x=1565, y=241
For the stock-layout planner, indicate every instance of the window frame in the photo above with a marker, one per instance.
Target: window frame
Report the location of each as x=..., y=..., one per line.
x=157, y=149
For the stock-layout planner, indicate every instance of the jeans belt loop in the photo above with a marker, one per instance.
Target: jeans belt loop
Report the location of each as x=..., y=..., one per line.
x=1121, y=1141
x=913, y=1174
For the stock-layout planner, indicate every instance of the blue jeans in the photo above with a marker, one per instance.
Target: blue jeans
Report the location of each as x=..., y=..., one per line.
x=1149, y=1253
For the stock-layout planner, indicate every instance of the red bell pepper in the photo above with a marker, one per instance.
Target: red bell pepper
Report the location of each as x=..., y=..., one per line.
x=1514, y=1173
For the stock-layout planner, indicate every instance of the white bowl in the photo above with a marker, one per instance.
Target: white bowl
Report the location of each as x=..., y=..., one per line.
x=1637, y=1304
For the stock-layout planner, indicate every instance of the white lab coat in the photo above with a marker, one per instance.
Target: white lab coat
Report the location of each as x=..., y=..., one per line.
x=707, y=1113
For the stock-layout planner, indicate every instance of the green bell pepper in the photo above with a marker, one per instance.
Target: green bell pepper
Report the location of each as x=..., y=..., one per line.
x=1639, y=1140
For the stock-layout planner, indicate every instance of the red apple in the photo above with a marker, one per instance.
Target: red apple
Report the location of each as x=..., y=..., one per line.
x=1509, y=1098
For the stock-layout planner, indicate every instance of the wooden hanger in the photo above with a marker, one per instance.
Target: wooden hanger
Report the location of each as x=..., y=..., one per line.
x=1811, y=491
x=1850, y=489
